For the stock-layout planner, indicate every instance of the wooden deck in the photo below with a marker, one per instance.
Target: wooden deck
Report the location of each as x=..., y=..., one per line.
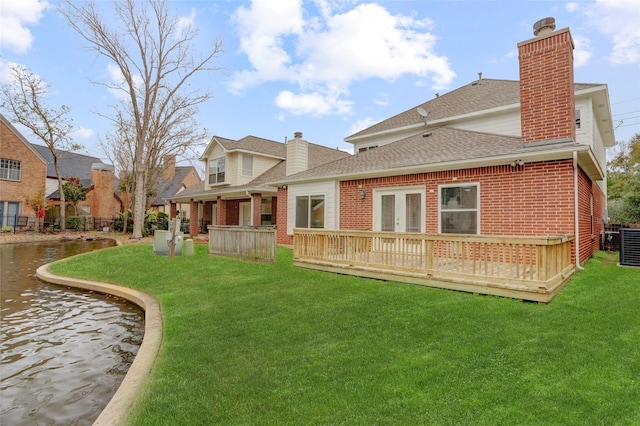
x=528, y=268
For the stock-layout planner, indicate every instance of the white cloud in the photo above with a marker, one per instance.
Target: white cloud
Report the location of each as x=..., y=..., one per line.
x=323, y=55
x=618, y=19
x=572, y=7
x=83, y=133
x=185, y=23
x=15, y=16
x=361, y=125
x=312, y=104
x=118, y=86
x=382, y=99
x=582, y=52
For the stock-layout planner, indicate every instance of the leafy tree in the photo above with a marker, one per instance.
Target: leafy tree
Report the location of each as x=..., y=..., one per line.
x=74, y=192
x=24, y=100
x=154, y=53
x=623, y=182
x=38, y=202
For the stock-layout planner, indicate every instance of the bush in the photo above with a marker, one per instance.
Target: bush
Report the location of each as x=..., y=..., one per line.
x=74, y=222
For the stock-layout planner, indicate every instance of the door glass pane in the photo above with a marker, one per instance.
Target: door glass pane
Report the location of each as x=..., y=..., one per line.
x=388, y=213
x=413, y=212
x=302, y=212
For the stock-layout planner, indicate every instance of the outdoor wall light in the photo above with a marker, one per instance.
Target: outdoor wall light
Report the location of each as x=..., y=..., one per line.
x=517, y=163
x=363, y=194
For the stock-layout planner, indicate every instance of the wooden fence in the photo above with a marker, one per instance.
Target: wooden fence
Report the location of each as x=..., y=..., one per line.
x=246, y=242
x=529, y=268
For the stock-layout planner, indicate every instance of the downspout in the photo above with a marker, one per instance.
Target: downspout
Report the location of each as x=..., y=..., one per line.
x=575, y=209
x=251, y=214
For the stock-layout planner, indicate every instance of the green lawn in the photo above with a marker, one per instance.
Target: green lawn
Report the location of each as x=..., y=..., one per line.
x=249, y=343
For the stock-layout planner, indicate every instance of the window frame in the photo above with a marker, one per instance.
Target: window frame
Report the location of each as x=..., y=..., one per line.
x=217, y=172
x=477, y=208
x=10, y=170
x=310, y=209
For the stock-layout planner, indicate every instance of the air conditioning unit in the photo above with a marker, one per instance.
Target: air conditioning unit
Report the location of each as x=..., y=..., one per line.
x=630, y=247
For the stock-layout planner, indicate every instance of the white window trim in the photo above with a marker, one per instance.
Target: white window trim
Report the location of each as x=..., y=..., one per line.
x=455, y=185
x=209, y=171
x=324, y=202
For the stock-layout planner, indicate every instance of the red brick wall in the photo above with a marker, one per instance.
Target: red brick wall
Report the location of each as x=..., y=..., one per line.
x=256, y=218
x=233, y=212
x=33, y=171
x=281, y=218
x=589, y=241
x=536, y=199
x=193, y=219
x=547, y=96
x=222, y=211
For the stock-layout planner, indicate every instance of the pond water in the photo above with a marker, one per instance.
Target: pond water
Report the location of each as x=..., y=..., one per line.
x=64, y=351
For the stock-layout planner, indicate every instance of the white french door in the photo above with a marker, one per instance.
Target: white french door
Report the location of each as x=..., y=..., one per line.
x=399, y=210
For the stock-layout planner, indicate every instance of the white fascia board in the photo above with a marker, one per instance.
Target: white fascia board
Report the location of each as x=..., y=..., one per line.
x=246, y=151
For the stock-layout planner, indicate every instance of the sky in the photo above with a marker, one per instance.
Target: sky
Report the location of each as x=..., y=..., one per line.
x=329, y=68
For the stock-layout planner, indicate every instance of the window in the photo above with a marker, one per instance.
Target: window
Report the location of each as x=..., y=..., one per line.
x=216, y=171
x=10, y=169
x=367, y=148
x=247, y=165
x=310, y=211
x=265, y=211
x=459, y=212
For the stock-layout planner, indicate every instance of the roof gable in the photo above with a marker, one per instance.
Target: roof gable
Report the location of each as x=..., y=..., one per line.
x=21, y=137
x=252, y=144
x=477, y=96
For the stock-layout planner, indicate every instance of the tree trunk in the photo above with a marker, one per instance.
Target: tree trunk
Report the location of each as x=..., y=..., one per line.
x=138, y=205
x=63, y=201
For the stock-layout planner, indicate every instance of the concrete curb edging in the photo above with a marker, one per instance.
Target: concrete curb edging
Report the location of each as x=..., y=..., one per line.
x=118, y=407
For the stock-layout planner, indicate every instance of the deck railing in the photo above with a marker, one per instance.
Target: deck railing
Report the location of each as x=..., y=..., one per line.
x=247, y=242
x=510, y=266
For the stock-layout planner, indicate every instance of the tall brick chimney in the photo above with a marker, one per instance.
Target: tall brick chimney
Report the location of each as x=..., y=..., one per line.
x=103, y=179
x=169, y=169
x=547, y=94
x=297, y=154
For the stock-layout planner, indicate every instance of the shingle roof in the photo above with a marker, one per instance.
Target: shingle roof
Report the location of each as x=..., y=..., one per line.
x=254, y=144
x=443, y=145
x=318, y=155
x=71, y=164
x=476, y=96
x=169, y=188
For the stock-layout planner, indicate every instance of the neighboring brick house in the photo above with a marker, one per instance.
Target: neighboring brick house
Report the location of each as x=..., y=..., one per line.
x=494, y=157
x=102, y=198
x=172, y=182
x=22, y=174
x=238, y=189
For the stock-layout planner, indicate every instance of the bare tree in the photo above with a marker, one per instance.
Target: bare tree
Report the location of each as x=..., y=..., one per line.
x=24, y=100
x=152, y=50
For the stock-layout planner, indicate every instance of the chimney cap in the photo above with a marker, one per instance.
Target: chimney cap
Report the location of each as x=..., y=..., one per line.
x=544, y=26
x=297, y=135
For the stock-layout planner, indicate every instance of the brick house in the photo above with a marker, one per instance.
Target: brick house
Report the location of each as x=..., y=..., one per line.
x=238, y=189
x=26, y=169
x=173, y=180
x=102, y=200
x=492, y=158
x=22, y=174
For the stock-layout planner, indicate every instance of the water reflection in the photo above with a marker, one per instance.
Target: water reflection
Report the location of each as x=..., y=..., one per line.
x=64, y=351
